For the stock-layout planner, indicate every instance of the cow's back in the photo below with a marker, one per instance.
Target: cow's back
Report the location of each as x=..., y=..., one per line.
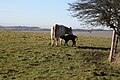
x=57, y=30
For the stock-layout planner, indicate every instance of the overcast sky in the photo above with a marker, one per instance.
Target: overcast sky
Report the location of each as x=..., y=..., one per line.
x=41, y=13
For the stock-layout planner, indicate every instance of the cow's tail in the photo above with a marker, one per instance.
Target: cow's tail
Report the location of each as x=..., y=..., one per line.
x=52, y=32
x=52, y=35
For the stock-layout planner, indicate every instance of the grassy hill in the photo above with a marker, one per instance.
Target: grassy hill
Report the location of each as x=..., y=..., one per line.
x=29, y=56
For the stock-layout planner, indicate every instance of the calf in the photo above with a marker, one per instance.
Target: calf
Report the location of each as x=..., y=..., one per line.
x=69, y=37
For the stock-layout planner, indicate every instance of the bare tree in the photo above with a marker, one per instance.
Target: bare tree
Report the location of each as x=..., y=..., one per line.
x=99, y=12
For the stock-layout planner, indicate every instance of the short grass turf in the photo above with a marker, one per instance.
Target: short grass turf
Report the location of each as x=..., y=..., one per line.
x=29, y=56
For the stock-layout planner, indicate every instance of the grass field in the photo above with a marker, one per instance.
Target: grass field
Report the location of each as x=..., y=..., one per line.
x=29, y=56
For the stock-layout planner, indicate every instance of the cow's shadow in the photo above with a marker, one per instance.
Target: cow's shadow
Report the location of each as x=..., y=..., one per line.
x=91, y=47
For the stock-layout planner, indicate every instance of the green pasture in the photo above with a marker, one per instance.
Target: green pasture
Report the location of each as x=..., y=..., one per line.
x=29, y=56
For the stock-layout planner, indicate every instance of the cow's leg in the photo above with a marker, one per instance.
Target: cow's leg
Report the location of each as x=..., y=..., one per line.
x=66, y=43
x=74, y=43
x=60, y=41
x=52, y=42
x=57, y=41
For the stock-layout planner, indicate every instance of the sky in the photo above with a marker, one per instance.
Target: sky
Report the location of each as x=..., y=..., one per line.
x=40, y=13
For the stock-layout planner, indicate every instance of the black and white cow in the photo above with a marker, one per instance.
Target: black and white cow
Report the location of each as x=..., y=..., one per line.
x=57, y=31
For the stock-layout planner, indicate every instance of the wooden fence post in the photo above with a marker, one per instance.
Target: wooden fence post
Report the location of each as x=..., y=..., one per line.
x=112, y=45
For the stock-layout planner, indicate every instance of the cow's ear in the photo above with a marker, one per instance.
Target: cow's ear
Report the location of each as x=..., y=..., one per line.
x=70, y=28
